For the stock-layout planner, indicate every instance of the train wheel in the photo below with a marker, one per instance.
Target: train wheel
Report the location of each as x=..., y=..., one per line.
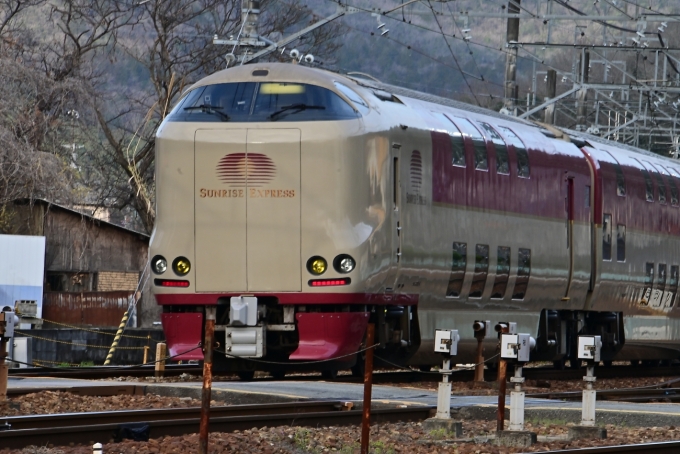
x=574, y=364
x=246, y=375
x=559, y=364
x=278, y=374
x=424, y=368
x=358, y=369
x=607, y=363
x=330, y=374
x=634, y=362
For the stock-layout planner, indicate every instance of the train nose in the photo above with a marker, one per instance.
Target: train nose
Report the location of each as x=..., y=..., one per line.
x=247, y=221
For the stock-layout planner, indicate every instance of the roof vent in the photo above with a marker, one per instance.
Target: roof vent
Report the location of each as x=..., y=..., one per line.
x=261, y=72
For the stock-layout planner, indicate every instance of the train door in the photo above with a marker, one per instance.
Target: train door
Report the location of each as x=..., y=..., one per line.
x=247, y=210
x=569, y=208
x=220, y=209
x=391, y=282
x=273, y=210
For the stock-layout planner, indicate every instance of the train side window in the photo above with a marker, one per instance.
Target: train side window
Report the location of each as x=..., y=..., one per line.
x=523, y=169
x=659, y=183
x=673, y=285
x=481, y=270
x=649, y=187
x=457, y=270
x=502, y=164
x=620, y=243
x=620, y=180
x=662, y=276
x=478, y=143
x=523, y=273
x=673, y=186
x=457, y=143
x=649, y=274
x=607, y=237
x=500, y=283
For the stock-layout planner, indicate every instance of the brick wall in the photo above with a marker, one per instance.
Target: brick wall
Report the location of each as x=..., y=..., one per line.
x=114, y=280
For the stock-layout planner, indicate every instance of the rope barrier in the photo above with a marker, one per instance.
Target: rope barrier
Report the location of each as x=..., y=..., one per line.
x=116, y=339
x=76, y=344
x=98, y=332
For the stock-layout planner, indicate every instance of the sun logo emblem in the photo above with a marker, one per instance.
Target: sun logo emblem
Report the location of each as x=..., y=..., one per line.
x=240, y=170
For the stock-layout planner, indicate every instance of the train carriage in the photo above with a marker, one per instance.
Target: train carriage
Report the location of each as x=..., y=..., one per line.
x=304, y=204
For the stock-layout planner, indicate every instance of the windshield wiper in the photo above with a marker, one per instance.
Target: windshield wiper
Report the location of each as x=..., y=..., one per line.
x=213, y=110
x=294, y=108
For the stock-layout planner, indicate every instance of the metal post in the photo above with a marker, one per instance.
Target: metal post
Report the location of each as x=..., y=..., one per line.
x=589, y=397
x=511, y=57
x=502, y=377
x=160, y=359
x=517, y=401
x=583, y=92
x=479, y=368
x=368, y=385
x=549, y=114
x=3, y=369
x=97, y=448
x=444, y=394
x=210, y=315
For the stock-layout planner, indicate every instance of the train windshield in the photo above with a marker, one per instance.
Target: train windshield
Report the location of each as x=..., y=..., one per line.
x=262, y=101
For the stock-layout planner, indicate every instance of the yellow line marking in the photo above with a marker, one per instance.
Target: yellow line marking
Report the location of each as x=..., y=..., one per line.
x=608, y=410
x=246, y=392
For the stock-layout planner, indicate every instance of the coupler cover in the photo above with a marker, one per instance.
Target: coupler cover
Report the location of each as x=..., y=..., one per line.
x=245, y=342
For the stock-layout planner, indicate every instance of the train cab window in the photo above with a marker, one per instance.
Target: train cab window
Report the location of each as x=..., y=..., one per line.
x=649, y=274
x=478, y=143
x=502, y=164
x=481, y=270
x=607, y=237
x=662, y=276
x=523, y=169
x=457, y=270
x=661, y=186
x=673, y=186
x=620, y=243
x=262, y=101
x=350, y=94
x=649, y=186
x=523, y=273
x=500, y=283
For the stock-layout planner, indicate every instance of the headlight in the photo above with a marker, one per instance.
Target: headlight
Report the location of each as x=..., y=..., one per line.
x=317, y=265
x=181, y=266
x=159, y=264
x=344, y=264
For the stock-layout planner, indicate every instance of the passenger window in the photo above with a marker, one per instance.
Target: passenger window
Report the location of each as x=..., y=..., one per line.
x=520, y=151
x=649, y=187
x=587, y=201
x=621, y=243
x=478, y=142
x=457, y=142
x=672, y=286
x=649, y=274
x=481, y=270
x=500, y=283
x=523, y=273
x=607, y=237
x=662, y=276
x=502, y=165
x=620, y=181
x=457, y=270
x=659, y=183
x=673, y=186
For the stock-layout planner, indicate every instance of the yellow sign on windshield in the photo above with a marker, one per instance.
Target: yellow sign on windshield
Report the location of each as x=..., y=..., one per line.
x=281, y=89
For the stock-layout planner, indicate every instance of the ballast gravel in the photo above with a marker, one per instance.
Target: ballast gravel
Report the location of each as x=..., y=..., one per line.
x=385, y=439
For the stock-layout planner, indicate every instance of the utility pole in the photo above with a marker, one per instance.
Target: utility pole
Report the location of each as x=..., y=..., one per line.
x=549, y=115
x=512, y=37
x=582, y=95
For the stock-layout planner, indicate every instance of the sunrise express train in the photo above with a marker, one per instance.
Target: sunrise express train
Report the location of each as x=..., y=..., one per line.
x=304, y=204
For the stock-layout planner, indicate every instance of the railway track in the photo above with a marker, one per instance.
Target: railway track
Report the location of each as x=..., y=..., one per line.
x=384, y=376
x=87, y=428
x=619, y=395
x=665, y=447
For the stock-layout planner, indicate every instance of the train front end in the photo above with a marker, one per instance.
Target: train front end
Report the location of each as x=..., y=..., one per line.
x=271, y=207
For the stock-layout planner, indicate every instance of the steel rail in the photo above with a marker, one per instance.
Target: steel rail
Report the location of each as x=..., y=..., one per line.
x=88, y=434
x=619, y=395
x=171, y=370
x=663, y=447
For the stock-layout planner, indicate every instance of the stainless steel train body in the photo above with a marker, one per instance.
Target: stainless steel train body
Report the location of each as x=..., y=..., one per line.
x=449, y=214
